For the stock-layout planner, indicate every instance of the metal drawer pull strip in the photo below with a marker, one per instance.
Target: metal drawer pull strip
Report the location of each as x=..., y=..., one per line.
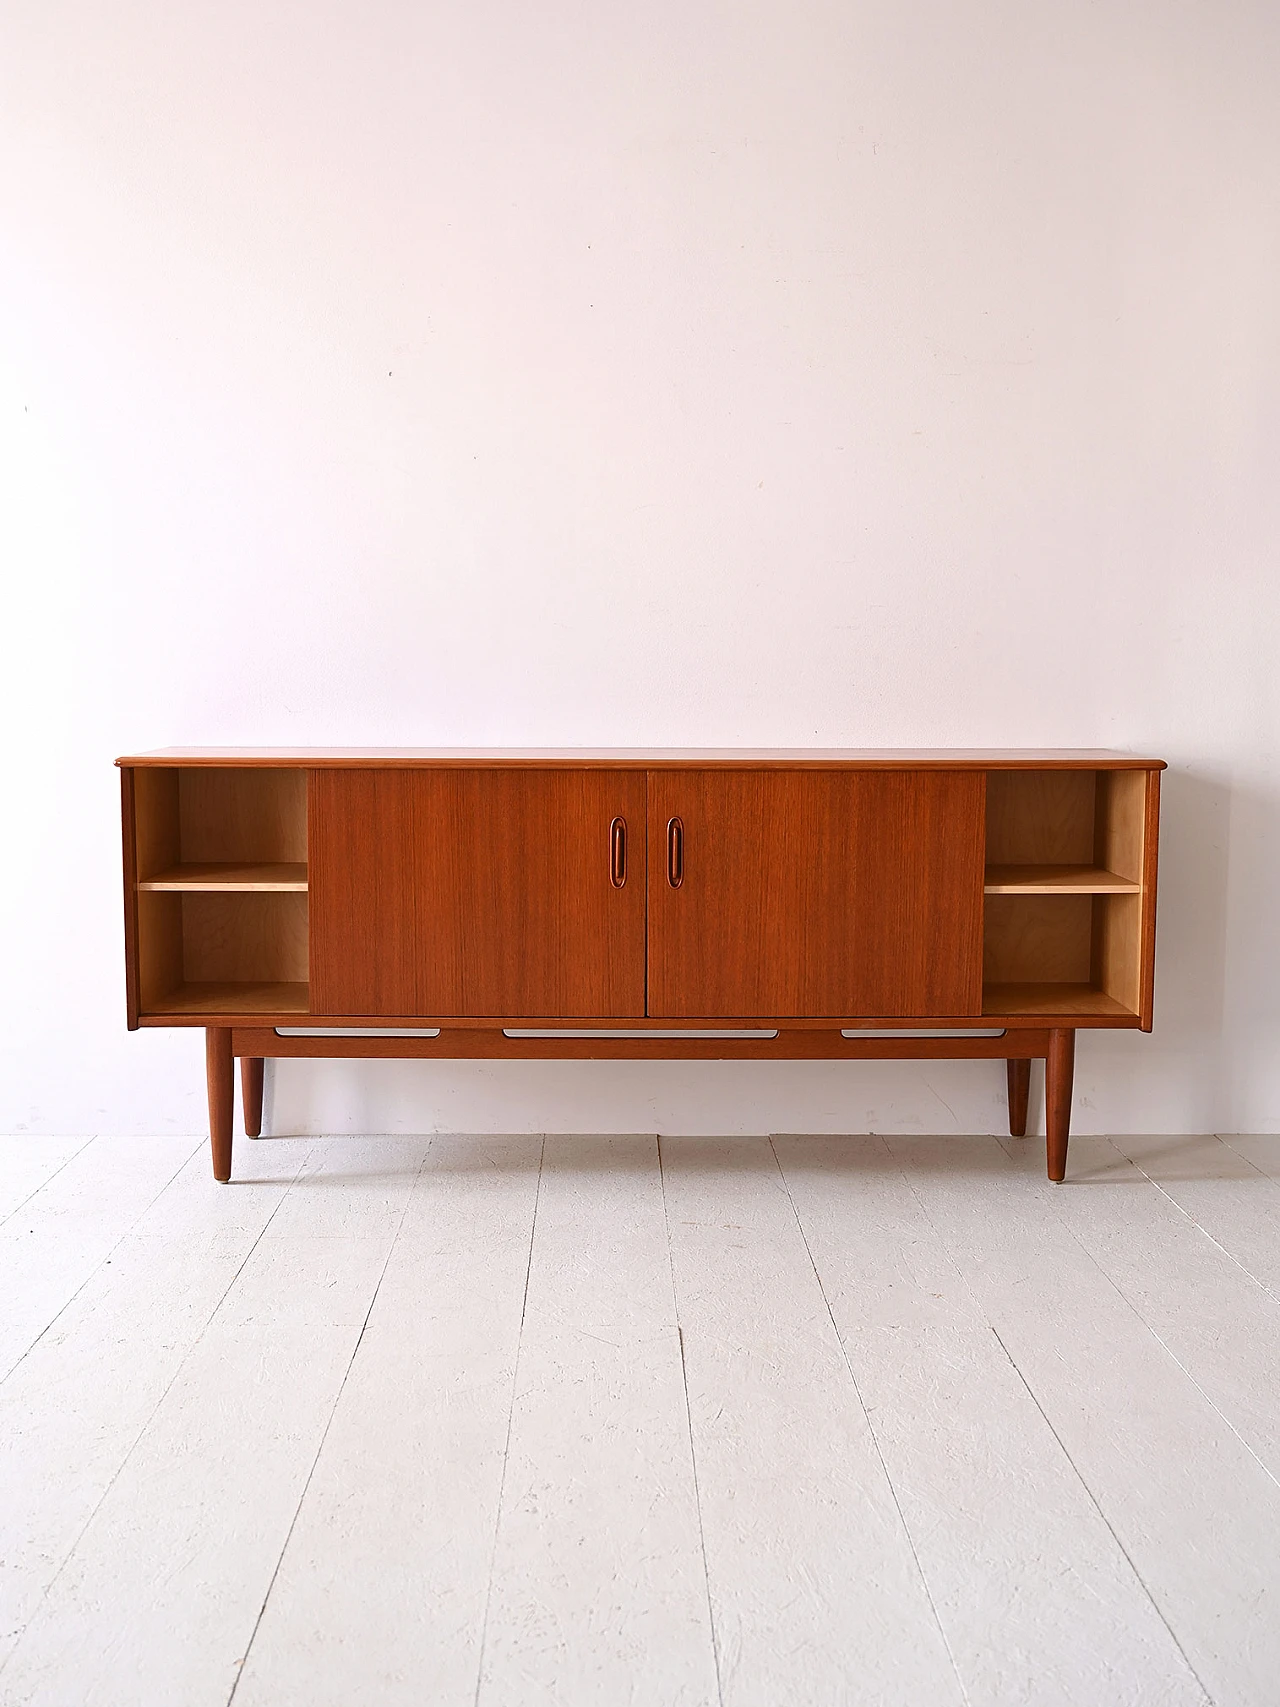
x=651, y=1036
x=354, y=1031
x=854, y=1033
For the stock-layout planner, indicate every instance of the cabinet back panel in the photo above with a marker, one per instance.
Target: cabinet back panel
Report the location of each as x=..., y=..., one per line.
x=815, y=893
x=250, y=815
x=1038, y=939
x=244, y=938
x=1040, y=817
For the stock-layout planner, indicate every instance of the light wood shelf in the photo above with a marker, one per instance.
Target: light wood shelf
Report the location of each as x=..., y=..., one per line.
x=1083, y=1001
x=1056, y=880
x=233, y=998
x=230, y=877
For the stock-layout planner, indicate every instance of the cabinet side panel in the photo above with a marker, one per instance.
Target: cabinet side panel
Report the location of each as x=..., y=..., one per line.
x=1118, y=956
x=1121, y=822
x=363, y=904
x=129, y=838
x=1151, y=844
x=156, y=821
x=157, y=918
x=1120, y=951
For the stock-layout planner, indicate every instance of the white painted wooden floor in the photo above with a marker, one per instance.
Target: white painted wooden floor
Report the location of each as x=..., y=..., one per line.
x=513, y=1421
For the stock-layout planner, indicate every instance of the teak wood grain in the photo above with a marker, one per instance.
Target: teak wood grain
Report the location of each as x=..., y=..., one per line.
x=837, y=893
x=1037, y=939
x=1041, y=816
x=233, y=815
x=476, y=893
x=363, y=891
x=244, y=937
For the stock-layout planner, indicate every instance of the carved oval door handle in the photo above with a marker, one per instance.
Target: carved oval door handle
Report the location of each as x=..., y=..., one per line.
x=675, y=852
x=618, y=852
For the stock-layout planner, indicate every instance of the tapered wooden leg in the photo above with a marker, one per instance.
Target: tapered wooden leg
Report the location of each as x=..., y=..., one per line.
x=1059, y=1068
x=221, y=1073
x=251, y=1093
x=1019, y=1086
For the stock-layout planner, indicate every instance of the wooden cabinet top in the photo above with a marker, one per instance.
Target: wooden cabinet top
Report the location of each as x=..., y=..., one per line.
x=656, y=758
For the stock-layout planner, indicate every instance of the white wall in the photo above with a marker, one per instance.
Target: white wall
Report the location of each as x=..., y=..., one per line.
x=791, y=372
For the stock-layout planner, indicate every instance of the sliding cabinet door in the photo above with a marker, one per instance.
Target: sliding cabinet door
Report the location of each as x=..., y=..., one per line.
x=362, y=900
x=484, y=893
x=816, y=894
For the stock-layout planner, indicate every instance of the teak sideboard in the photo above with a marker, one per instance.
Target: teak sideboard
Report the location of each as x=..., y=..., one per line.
x=718, y=905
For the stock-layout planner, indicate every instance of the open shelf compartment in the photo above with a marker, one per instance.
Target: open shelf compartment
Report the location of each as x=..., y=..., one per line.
x=221, y=890
x=1064, y=890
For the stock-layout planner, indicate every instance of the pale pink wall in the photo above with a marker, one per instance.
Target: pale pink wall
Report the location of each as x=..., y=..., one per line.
x=782, y=373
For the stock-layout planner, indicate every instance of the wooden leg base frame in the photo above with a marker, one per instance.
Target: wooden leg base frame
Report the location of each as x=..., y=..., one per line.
x=1018, y=1048
x=1019, y=1087
x=221, y=1076
x=1059, y=1069
x=256, y=1043
x=251, y=1076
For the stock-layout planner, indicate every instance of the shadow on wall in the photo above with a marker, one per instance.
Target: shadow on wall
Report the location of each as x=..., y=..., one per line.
x=1197, y=809
x=1179, y=1079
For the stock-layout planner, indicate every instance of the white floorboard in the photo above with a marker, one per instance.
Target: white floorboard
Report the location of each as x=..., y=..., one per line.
x=1219, y=1323
x=1262, y=1149
x=70, y=1224
x=1196, y=1513
x=599, y=1593
x=1008, y=1536
x=199, y=1512
x=815, y=1588
x=1222, y=1192
x=194, y=1522
x=381, y=1592
x=74, y=1407
x=485, y=1421
x=28, y=1163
